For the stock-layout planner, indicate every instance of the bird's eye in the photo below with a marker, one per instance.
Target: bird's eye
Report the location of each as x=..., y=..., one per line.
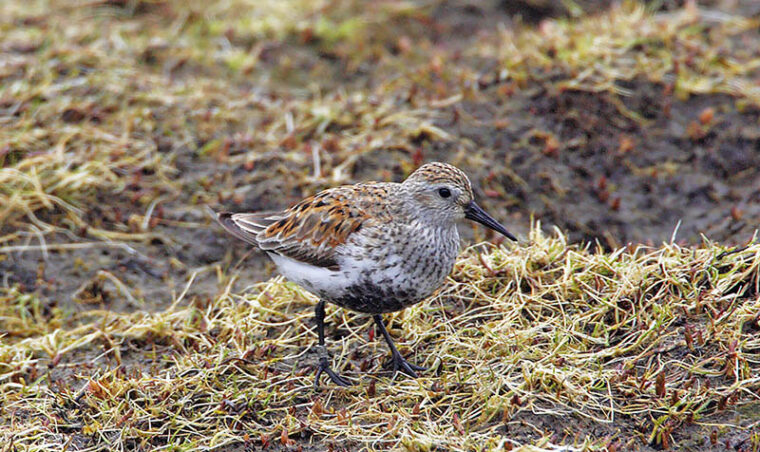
x=444, y=192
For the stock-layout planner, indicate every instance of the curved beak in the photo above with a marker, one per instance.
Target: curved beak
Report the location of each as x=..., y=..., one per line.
x=475, y=213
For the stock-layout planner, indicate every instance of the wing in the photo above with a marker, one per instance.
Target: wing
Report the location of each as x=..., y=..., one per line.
x=309, y=231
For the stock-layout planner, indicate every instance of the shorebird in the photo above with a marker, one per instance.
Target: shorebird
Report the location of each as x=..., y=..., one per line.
x=374, y=247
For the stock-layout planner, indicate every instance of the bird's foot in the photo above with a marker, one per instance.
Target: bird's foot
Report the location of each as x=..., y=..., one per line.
x=404, y=366
x=324, y=367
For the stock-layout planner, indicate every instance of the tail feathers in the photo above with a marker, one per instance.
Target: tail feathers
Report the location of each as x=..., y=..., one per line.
x=246, y=226
x=228, y=221
x=254, y=222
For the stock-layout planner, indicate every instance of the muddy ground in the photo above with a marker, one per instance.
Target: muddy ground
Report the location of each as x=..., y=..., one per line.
x=606, y=168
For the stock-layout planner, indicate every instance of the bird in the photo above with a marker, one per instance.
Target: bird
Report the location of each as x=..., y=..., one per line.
x=373, y=247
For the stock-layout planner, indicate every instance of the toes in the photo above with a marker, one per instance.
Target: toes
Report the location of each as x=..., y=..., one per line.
x=316, y=378
x=338, y=380
x=403, y=366
x=334, y=377
x=416, y=367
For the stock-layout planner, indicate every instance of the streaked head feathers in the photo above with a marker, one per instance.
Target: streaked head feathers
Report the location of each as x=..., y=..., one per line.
x=439, y=191
x=437, y=173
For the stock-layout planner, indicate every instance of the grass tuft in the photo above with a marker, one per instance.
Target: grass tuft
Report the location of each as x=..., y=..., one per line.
x=663, y=336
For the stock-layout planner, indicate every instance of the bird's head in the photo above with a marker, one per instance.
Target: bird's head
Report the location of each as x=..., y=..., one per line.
x=443, y=193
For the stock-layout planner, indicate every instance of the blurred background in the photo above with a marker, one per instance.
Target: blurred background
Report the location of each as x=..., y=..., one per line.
x=121, y=120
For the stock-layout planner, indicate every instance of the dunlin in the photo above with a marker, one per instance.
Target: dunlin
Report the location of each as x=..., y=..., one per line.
x=375, y=247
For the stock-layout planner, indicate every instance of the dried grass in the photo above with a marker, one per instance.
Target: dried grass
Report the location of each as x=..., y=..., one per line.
x=665, y=336
x=692, y=51
x=117, y=100
x=135, y=85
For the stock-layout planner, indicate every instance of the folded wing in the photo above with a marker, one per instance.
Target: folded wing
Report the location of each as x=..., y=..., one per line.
x=308, y=232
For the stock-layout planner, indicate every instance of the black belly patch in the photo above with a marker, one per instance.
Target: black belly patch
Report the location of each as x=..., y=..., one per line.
x=373, y=299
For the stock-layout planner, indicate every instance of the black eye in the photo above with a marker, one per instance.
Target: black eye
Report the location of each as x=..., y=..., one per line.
x=444, y=192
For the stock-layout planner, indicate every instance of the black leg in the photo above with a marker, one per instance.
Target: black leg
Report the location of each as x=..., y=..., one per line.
x=324, y=357
x=399, y=363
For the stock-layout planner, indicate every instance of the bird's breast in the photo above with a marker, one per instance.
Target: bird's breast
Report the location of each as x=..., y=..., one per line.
x=388, y=274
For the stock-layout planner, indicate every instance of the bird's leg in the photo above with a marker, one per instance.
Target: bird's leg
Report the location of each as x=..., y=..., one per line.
x=324, y=357
x=399, y=363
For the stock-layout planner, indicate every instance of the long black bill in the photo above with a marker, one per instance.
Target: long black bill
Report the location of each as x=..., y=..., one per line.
x=475, y=213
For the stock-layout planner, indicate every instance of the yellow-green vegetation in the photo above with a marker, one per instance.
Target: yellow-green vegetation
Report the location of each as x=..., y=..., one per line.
x=125, y=323
x=97, y=94
x=644, y=342
x=629, y=43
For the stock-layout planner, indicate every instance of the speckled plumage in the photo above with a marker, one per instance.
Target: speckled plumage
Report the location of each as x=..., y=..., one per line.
x=374, y=247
